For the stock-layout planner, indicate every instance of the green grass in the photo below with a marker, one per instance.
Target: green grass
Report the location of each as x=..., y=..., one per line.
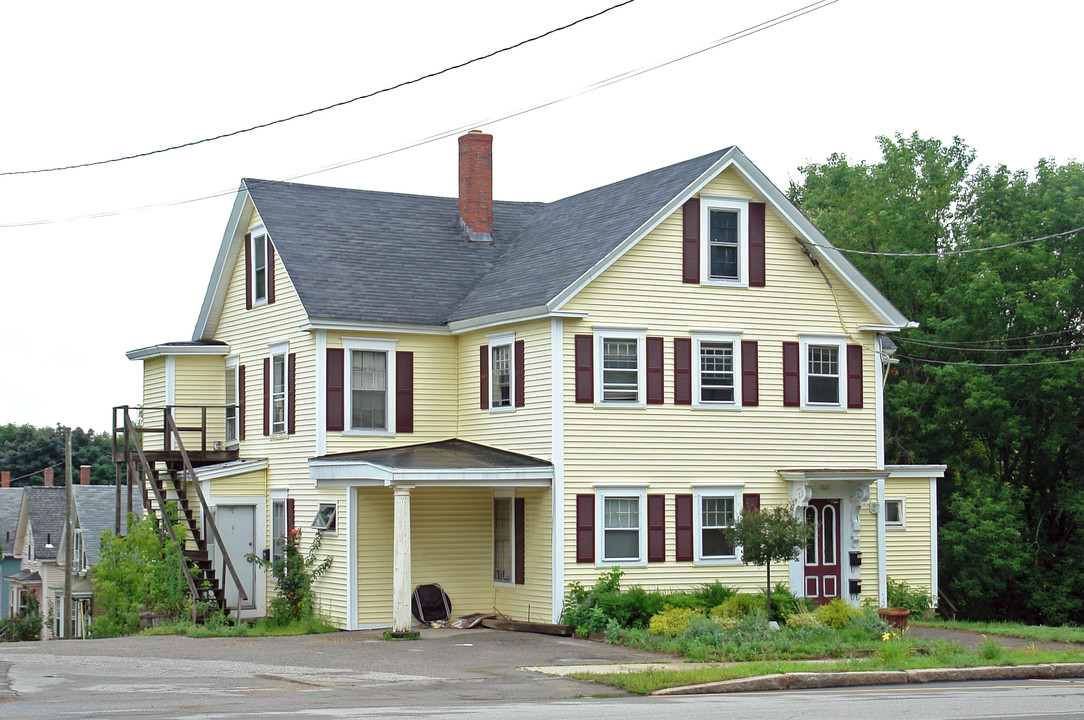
x=941, y=655
x=1031, y=632
x=261, y=628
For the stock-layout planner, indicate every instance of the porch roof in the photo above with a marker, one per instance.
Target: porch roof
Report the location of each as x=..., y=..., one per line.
x=451, y=462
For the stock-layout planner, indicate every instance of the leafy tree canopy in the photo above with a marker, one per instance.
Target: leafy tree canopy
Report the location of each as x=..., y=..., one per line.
x=26, y=450
x=992, y=381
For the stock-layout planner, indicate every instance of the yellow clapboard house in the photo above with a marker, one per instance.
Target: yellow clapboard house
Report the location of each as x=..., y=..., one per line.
x=505, y=397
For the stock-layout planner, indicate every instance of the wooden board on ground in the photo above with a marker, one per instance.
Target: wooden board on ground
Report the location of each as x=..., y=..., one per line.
x=523, y=626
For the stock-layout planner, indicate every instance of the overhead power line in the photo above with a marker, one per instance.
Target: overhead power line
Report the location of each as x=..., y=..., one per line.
x=990, y=365
x=963, y=348
x=733, y=37
x=314, y=111
x=944, y=253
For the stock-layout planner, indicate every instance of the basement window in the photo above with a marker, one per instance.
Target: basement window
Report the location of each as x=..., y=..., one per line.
x=325, y=517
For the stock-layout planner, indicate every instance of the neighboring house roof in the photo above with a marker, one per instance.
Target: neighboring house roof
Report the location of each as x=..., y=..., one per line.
x=365, y=257
x=45, y=507
x=95, y=507
x=11, y=500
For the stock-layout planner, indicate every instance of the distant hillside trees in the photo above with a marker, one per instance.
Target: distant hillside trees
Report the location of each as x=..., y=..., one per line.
x=26, y=450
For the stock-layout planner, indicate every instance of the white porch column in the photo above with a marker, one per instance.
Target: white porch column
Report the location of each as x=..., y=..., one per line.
x=401, y=561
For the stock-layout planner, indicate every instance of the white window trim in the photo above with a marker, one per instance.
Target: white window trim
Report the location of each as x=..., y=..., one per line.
x=501, y=340
x=233, y=363
x=840, y=342
x=731, y=337
x=602, y=334
x=627, y=491
x=902, y=524
x=510, y=495
x=736, y=204
x=254, y=232
x=713, y=491
x=335, y=517
x=283, y=349
x=277, y=496
x=369, y=345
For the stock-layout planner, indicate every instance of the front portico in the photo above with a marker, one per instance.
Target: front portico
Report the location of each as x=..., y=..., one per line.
x=450, y=486
x=836, y=500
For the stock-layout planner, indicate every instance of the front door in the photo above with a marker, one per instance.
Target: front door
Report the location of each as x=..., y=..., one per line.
x=822, y=567
x=236, y=524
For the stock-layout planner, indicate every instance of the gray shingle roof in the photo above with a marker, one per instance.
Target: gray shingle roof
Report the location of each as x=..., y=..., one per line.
x=95, y=506
x=366, y=256
x=443, y=455
x=45, y=508
x=11, y=501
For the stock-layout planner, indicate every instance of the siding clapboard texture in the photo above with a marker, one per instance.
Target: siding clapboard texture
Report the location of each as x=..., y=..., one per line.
x=907, y=548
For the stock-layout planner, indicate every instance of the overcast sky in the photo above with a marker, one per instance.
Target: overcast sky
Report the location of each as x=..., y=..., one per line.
x=92, y=81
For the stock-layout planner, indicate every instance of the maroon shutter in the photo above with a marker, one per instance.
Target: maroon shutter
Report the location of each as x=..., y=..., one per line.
x=521, y=373
x=404, y=392
x=290, y=515
x=750, y=501
x=241, y=402
x=854, y=376
x=521, y=536
x=656, y=528
x=690, y=241
x=585, y=375
x=683, y=371
x=654, y=371
x=291, y=395
x=270, y=270
x=336, y=389
x=248, y=271
x=683, y=527
x=267, y=396
x=791, y=375
x=750, y=378
x=756, y=244
x=585, y=528
x=483, y=377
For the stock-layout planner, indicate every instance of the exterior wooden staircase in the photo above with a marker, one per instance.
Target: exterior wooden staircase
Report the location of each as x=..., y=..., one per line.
x=171, y=491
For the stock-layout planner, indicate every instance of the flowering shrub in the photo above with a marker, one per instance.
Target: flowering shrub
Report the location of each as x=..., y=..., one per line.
x=294, y=574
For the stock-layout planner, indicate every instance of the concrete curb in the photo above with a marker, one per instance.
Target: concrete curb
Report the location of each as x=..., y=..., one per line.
x=810, y=680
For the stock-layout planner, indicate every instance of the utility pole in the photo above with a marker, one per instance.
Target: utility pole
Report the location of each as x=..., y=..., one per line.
x=70, y=533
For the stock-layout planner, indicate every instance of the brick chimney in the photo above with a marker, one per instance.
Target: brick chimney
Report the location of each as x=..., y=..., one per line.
x=476, y=186
x=84, y=474
x=48, y=477
x=5, y=479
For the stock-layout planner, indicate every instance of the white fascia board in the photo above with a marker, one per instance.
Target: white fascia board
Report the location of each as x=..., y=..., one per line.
x=511, y=316
x=369, y=474
x=215, y=297
x=162, y=350
x=230, y=469
x=372, y=327
x=640, y=233
x=827, y=474
x=916, y=471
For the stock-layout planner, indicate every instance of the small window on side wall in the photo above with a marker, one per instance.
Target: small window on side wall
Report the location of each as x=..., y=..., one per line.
x=894, y=512
x=325, y=519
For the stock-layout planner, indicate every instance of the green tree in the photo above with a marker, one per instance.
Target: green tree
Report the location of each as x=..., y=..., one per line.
x=769, y=536
x=992, y=381
x=26, y=450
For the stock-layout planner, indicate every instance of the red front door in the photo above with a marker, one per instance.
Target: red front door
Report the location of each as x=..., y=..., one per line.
x=822, y=566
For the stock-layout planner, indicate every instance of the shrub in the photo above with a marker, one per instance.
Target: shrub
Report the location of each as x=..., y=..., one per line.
x=784, y=604
x=712, y=594
x=916, y=599
x=836, y=614
x=738, y=605
x=802, y=621
x=294, y=574
x=582, y=609
x=26, y=625
x=673, y=621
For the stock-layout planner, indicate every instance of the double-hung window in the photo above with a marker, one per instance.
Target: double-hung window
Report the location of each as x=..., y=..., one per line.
x=503, y=539
x=370, y=375
x=259, y=267
x=620, y=379
x=717, y=380
x=823, y=369
x=716, y=509
x=501, y=371
x=279, y=383
x=231, y=400
x=278, y=524
x=623, y=519
x=724, y=240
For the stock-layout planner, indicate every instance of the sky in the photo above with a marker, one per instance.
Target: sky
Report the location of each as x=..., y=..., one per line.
x=100, y=260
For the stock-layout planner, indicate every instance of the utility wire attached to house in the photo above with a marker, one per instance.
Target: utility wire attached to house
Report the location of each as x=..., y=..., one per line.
x=946, y=253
